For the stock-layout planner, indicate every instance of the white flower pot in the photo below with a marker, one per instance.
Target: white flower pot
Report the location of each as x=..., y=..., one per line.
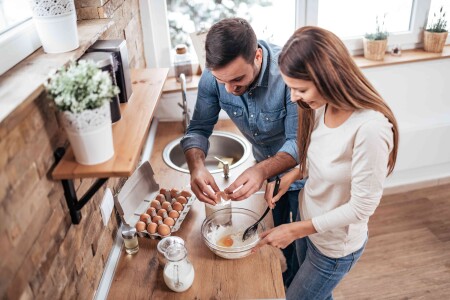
x=90, y=134
x=56, y=24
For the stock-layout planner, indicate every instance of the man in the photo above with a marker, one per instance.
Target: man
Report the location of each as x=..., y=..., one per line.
x=242, y=78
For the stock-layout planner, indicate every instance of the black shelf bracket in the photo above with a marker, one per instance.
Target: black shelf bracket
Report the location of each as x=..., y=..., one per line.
x=70, y=194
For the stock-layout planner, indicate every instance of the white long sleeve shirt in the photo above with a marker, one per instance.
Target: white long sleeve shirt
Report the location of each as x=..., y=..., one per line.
x=347, y=168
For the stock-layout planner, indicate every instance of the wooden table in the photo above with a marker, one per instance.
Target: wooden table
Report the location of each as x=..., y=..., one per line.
x=140, y=276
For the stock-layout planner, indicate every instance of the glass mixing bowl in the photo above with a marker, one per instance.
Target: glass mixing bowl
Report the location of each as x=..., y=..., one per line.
x=222, y=232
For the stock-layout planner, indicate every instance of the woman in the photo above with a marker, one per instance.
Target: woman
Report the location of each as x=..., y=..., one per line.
x=348, y=141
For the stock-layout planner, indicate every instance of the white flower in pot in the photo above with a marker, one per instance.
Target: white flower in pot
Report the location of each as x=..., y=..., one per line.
x=82, y=92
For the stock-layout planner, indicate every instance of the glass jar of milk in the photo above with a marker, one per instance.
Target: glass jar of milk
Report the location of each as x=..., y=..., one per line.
x=178, y=271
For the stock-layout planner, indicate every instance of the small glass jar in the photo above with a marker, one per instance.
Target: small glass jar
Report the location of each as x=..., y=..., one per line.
x=178, y=272
x=164, y=244
x=396, y=50
x=130, y=240
x=182, y=63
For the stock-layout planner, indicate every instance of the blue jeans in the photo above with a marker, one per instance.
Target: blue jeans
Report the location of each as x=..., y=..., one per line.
x=281, y=214
x=318, y=274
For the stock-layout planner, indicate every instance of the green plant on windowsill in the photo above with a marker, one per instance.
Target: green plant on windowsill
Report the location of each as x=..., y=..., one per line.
x=375, y=43
x=436, y=33
x=440, y=25
x=380, y=31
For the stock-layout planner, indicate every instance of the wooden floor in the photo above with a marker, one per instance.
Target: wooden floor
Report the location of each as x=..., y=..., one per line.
x=408, y=252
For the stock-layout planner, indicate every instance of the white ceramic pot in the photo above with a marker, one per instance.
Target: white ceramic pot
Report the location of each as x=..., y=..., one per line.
x=90, y=134
x=56, y=24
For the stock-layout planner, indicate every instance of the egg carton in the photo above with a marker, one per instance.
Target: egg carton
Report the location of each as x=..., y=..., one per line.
x=135, y=196
x=174, y=228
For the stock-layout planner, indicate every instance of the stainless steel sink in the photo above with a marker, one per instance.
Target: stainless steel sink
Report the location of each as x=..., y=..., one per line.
x=222, y=145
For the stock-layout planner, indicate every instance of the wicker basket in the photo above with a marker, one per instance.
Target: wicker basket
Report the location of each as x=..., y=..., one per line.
x=374, y=49
x=434, y=41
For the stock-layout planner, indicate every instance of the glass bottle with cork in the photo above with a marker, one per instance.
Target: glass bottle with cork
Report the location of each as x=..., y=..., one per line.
x=182, y=62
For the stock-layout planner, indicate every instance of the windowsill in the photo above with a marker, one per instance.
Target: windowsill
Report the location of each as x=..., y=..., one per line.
x=408, y=56
x=24, y=82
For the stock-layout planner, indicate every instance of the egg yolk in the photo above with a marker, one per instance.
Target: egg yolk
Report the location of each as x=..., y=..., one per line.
x=225, y=241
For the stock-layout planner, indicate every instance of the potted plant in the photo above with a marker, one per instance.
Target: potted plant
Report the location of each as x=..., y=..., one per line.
x=375, y=43
x=82, y=92
x=56, y=24
x=435, y=35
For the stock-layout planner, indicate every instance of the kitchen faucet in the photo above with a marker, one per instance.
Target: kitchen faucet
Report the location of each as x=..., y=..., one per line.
x=183, y=105
x=225, y=167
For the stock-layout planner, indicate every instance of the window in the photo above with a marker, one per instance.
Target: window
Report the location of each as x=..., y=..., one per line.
x=185, y=17
x=349, y=19
x=18, y=37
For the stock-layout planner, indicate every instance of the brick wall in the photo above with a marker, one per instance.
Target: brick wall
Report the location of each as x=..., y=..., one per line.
x=44, y=256
x=127, y=23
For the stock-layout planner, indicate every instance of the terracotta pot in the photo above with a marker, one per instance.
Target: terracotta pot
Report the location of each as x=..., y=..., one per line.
x=374, y=49
x=434, y=41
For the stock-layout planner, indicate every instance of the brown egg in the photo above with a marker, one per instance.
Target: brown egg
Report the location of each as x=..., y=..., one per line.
x=165, y=204
x=174, y=192
x=145, y=218
x=182, y=199
x=174, y=214
x=151, y=211
x=156, y=204
x=162, y=191
x=161, y=212
x=156, y=218
x=185, y=194
x=151, y=227
x=220, y=196
x=161, y=198
x=140, y=226
x=169, y=221
x=163, y=229
x=177, y=206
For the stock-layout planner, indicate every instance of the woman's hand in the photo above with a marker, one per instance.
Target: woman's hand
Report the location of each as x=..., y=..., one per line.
x=285, y=183
x=283, y=235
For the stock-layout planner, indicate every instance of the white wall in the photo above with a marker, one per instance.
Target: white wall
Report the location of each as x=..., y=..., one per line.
x=419, y=95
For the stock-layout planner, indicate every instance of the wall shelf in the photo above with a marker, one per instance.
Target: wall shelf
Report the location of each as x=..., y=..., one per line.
x=128, y=136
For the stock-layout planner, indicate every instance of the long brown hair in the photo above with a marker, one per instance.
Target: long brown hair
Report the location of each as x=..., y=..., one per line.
x=317, y=55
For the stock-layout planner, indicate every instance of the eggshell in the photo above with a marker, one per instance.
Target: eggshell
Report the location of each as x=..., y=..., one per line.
x=177, y=206
x=140, y=226
x=163, y=229
x=145, y=218
x=185, y=194
x=156, y=218
x=161, y=212
x=151, y=227
x=169, y=221
x=166, y=204
x=162, y=191
x=156, y=204
x=182, y=199
x=161, y=198
x=220, y=196
x=174, y=192
x=174, y=214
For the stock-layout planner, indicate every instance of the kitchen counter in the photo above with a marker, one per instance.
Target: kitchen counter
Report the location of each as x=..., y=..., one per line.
x=140, y=276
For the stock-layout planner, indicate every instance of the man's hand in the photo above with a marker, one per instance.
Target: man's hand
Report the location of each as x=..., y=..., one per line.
x=204, y=186
x=202, y=182
x=246, y=184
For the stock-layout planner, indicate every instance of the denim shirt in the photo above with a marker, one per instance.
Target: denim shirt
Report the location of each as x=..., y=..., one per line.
x=264, y=113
